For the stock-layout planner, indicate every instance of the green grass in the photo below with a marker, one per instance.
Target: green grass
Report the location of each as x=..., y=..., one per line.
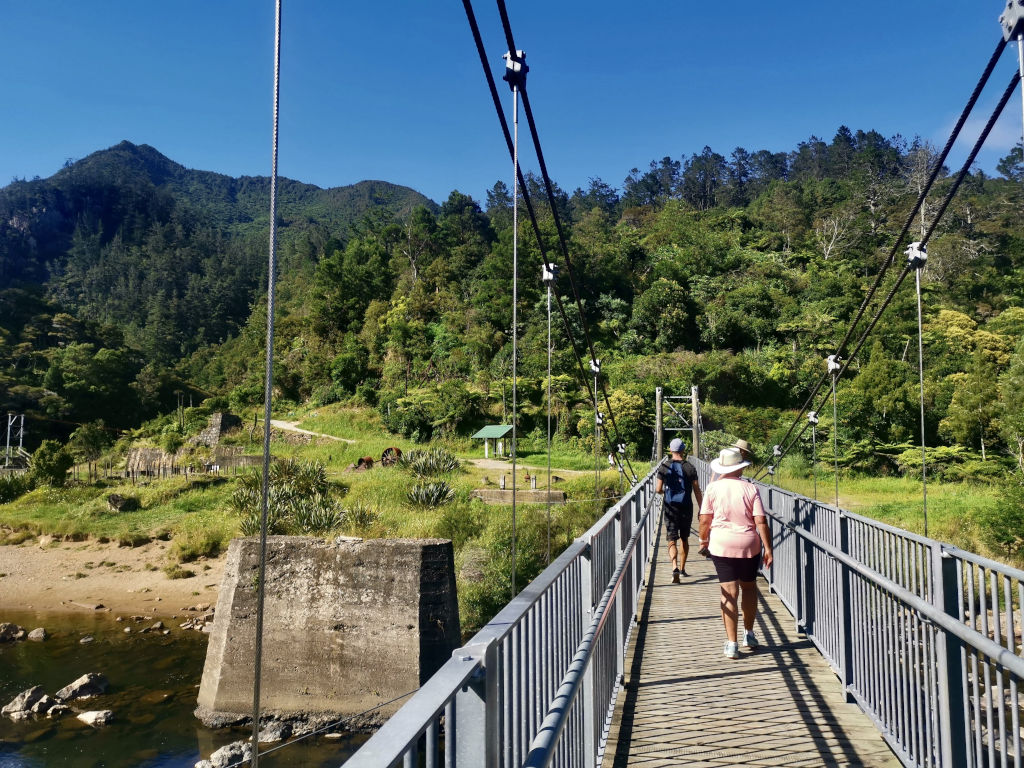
x=81, y=511
x=953, y=508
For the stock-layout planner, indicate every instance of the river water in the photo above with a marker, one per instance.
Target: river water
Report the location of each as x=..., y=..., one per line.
x=154, y=681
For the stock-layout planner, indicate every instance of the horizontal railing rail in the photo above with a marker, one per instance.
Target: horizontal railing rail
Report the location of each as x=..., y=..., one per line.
x=925, y=637
x=539, y=681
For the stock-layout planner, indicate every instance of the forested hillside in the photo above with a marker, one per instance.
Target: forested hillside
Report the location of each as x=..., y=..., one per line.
x=128, y=277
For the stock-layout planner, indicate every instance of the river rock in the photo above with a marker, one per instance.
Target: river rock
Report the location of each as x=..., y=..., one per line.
x=274, y=731
x=86, y=640
x=43, y=705
x=11, y=632
x=236, y=752
x=88, y=685
x=24, y=701
x=38, y=634
x=97, y=717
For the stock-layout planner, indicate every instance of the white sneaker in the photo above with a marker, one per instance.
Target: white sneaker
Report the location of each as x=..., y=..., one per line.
x=749, y=640
x=731, y=650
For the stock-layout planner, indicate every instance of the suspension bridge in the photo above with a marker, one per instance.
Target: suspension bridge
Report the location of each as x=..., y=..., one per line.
x=882, y=647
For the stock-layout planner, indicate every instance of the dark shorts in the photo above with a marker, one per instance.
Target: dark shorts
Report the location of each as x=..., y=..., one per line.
x=678, y=522
x=737, y=568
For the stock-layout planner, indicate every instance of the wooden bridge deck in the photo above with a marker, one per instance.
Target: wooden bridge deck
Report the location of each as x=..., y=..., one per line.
x=685, y=704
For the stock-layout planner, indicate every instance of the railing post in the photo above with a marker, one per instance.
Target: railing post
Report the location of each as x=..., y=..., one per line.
x=590, y=735
x=809, y=612
x=477, y=731
x=953, y=720
x=846, y=609
x=798, y=550
x=621, y=538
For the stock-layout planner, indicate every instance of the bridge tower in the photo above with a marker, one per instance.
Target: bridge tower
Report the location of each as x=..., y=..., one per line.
x=682, y=415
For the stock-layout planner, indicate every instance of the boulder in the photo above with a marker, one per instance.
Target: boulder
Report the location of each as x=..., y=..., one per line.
x=38, y=634
x=96, y=717
x=10, y=632
x=88, y=685
x=25, y=700
x=233, y=754
x=275, y=730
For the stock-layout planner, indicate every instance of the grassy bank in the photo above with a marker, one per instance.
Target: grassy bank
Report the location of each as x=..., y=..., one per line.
x=954, y=509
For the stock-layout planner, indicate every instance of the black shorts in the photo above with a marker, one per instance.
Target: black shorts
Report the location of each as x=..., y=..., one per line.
x=737, y=568
x=678, y=522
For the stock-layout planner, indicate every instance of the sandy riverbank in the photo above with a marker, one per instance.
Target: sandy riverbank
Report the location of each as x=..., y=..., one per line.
x=79, y=576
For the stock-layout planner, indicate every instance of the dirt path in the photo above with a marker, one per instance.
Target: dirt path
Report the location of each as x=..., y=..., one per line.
x=293, y=426
x=79, y=576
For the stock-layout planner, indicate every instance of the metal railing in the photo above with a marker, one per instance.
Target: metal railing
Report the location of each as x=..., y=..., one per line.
x=925, y=637
x=537, y=685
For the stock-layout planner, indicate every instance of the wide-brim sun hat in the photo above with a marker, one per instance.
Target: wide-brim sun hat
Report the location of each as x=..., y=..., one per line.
x=729, y=460
x=743, y=446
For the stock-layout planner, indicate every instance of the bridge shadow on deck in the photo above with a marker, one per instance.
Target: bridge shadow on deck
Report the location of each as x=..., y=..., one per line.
x=683, y=703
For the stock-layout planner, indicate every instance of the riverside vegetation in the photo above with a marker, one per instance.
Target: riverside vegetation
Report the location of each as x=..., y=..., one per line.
x=133, y=289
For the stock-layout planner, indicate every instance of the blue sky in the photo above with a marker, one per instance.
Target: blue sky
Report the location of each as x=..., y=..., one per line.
x=394, y=90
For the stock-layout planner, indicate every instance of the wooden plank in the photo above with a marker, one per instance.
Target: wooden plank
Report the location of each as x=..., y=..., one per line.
x=684, y=703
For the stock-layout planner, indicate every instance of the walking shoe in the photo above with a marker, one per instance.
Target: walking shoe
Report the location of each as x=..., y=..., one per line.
x=675, y=575
x=684, y=573
x=749, y=640
x=731, y=651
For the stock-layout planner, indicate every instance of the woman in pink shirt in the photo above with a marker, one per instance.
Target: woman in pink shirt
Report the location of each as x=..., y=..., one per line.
x=733, y=527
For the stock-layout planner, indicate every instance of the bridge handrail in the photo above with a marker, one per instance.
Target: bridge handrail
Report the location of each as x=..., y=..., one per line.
x=465, y=690
x=542, y=747
x=971, y=637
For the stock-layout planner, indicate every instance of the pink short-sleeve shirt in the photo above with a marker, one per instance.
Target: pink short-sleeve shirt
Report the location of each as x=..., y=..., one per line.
x=734, y=504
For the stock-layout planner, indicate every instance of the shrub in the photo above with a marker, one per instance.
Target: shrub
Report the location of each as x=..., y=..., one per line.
x=431, y=494
x=1002, y=526
x=51, y=462
x=13, y=486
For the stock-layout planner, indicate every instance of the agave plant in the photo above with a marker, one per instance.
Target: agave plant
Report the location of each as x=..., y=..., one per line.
x=300, y=500
x=359, y=517
x=430, y=462
x=319, y=518
x=431, y=494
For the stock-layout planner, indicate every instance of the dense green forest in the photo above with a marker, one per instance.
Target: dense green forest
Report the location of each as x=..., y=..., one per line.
x=126, y=280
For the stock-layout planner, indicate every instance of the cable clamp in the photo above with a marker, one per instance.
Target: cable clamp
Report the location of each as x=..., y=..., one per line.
x=611, y=459
x=548, y=273
x=916, y=255
x=834, y=364
x=599, y=418
x=1012, y=19
x=621, y=448
x=777, y=451
x=771, y=471
x=595, y=367
x=812, y=417
x=515, y=69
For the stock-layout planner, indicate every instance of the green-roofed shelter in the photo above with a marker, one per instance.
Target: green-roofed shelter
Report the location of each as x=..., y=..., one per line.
x=496, y=432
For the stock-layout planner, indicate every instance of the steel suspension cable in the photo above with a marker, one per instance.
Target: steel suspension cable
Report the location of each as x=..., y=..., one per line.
x=889, y=259
x=965, y=169
x=481, y=52
x=939, y=162
x=267, y=398
x=515, y=315
x=548, y=187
